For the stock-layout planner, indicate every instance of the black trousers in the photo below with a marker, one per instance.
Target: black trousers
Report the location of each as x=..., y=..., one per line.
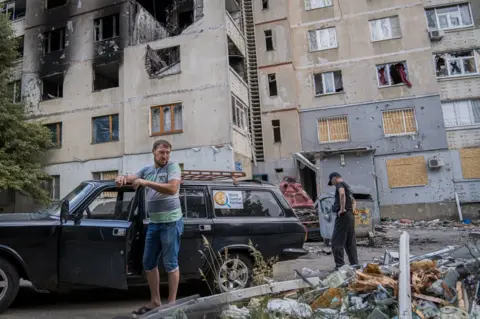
x=343, y=238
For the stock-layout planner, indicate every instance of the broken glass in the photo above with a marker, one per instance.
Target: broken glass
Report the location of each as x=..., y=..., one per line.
x=431, y=18
x=457, y=63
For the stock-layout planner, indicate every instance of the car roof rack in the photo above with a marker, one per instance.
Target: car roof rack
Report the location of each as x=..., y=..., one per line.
x=200, y=175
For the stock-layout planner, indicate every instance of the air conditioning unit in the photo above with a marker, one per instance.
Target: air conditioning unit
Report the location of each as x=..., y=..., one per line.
x=435, y=162
x=436, y=35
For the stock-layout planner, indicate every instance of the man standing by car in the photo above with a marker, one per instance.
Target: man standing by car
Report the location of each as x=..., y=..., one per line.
x=344, y=231
x=162, y=183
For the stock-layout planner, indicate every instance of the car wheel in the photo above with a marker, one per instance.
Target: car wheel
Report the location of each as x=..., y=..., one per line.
x=9, y=284
x=235, y=272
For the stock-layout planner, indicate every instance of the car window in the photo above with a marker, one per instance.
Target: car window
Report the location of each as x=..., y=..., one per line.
x=110, y=205
x=193, y=203
x=245, y=203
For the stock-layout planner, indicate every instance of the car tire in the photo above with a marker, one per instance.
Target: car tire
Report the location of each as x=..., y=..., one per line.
x=9, y=284
x=236, y=280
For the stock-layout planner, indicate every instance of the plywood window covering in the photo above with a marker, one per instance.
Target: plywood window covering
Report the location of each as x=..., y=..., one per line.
x=407, y=172
x=333, y=129
x=399, y=122
x=106, y=176
x=469, y=158
x=166, y=119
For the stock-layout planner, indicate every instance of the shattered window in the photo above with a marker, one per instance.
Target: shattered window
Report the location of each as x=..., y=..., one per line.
x=20, y=48
x=239, y=113
x=56, y=130
x=322, y=39
x=392, y=74
x=50, y=4
x=449, y=17
x=265, y=4
x=457, y=63
x=52, y=87
x=105, y=76
x=15, y=91
x=384, y=29
x=399, y=122
x=162, y=62
x=54, y=40
x=107, y=27
x=315, y=4
x=269, y=40
x=13, y=10
x=277, y=136
x=105, y=129
x=166, y=119
x=333, y=129
x=272, y=85
x=327, y=83
x=461, y=113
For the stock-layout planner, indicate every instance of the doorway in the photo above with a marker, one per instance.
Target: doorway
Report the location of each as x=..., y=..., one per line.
x=309, y=182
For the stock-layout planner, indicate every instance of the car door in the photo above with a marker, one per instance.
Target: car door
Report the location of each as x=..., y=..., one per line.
x=93, y=251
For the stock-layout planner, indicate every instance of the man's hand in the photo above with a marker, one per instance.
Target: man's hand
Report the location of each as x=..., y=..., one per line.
x=139, y=182
x=341, y=212
x=121, y=180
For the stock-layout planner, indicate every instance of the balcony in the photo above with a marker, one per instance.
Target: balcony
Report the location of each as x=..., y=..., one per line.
x=235, y=34
x=238, y=86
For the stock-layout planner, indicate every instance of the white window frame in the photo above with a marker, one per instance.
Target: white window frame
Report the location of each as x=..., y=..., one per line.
x=437, y=19
x=17, y=85
x=328, y=119
x=405, y=133
x=332, y=74
x=389, y=24
x=388, y=74
x=462, y=66
x=318, y=36
x=98, y=24
x=458, y=107
x=326, y=3
x=241, y=113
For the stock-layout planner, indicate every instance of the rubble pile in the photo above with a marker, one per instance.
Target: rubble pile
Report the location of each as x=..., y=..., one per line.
x=442, y=284
x=466, y=225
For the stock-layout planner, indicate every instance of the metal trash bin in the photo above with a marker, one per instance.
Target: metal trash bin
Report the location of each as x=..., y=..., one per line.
x=326, y=217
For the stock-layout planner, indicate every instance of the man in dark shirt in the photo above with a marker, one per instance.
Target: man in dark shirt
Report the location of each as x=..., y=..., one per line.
x=344, y=229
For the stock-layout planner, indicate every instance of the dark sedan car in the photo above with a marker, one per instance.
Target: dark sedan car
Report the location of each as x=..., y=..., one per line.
x=95, y=236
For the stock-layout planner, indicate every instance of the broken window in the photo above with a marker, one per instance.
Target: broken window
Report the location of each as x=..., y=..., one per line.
x=20, y=47
x=457, y=63
x=54, y=40
x=162, y=62
x=393, y=74
x=52, y=87
x=333, y=129
x=236, y=60
x=272, y=85
x=50, y=4
x=107, y=27
x=384, y=29
x=105, y=76
x=269, y=40
x=322, y=39
x=105, y=129
x=13, y=9
x=315, y=4
x=449, y=17
x=277, y=137
x=15, y=91
x=166, y=119
x=461, y=113
x=239, y=113
x=399, y=122
x=265, y=4
x=56, y=131
x=327, y=83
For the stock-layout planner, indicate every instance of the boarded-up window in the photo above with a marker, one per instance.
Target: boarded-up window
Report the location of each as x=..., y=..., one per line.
x=333, y=129
x=406, y=172
x=106, y=176
x=399, y=122
x=469, y=157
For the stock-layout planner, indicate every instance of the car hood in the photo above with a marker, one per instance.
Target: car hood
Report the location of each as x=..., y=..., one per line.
x=17, y=217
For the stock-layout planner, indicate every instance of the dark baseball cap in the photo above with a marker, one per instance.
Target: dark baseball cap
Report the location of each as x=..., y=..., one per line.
x=332, y=175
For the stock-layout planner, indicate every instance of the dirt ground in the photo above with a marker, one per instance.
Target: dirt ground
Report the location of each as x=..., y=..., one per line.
x=106, y=304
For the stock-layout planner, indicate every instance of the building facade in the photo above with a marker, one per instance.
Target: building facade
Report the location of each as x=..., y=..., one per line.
x=108, y=78
x=360, y=88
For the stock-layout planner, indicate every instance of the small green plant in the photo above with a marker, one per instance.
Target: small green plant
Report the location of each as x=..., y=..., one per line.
x=262, y=268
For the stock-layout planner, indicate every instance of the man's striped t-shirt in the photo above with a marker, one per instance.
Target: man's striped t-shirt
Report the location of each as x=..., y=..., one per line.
x=162, y=208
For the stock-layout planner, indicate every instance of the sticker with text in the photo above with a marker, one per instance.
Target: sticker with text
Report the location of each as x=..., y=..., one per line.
x=228, y=199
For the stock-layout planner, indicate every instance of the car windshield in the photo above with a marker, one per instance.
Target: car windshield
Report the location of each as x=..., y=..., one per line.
x=74, y=197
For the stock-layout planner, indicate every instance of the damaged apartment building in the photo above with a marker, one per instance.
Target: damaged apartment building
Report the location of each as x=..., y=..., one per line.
x=108, y=78
x=387, y=93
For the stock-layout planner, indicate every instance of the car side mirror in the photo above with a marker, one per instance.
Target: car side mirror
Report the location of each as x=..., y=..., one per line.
x=64, y=211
